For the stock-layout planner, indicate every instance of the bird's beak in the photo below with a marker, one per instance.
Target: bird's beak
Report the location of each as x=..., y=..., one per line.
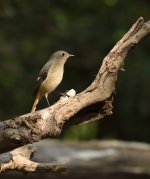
x=70, y=55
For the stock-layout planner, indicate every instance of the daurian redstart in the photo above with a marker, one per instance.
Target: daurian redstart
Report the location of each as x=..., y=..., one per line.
x=50, y=76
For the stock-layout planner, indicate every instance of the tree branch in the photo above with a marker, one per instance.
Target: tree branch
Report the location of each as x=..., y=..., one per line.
x=19, y=159
x=93, y=103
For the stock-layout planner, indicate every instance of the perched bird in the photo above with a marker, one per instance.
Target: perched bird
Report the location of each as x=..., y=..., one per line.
x=50, y=76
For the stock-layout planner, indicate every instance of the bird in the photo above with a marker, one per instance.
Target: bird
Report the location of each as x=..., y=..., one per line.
x=50, y=76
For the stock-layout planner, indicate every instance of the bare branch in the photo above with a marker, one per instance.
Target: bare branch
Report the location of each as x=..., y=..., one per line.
x=19, y=159
x=50, y=121
x=93, y=103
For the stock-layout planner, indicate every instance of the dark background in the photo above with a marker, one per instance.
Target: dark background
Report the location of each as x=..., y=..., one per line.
x=30, y=31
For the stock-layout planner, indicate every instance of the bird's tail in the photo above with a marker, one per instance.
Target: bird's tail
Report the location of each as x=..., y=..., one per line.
x=36, y=101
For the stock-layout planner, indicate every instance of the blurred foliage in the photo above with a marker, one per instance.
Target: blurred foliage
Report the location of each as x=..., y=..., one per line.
x=82, y=132
x=31, y=30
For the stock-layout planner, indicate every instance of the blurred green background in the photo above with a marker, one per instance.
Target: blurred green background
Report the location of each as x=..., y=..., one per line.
x=30, y=31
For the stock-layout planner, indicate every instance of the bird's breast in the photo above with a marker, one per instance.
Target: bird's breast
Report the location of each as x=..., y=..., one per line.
x=53, y=79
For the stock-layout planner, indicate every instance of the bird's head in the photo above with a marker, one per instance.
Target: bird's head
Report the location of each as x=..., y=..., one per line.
x=60, y=55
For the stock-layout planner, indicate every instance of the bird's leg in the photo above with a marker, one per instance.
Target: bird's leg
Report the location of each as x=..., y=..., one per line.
x=46, y=96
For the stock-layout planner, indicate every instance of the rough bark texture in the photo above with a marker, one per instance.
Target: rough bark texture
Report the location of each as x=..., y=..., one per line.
x=19, y=159
x=93, y=103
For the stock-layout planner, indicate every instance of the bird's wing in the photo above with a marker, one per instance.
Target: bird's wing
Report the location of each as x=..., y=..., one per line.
x=41, y=77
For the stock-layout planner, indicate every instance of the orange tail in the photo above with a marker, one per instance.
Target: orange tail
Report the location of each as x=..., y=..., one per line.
x=36, y=101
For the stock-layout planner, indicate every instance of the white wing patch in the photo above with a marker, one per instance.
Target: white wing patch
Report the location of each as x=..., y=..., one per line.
x=38, y=78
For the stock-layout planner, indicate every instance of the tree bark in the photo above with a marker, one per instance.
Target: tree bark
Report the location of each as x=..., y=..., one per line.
x=93, y=103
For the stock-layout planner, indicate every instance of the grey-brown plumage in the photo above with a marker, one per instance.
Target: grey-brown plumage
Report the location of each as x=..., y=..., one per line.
x=50, y=76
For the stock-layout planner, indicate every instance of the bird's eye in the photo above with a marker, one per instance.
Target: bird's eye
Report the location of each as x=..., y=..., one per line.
x=63, y=54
